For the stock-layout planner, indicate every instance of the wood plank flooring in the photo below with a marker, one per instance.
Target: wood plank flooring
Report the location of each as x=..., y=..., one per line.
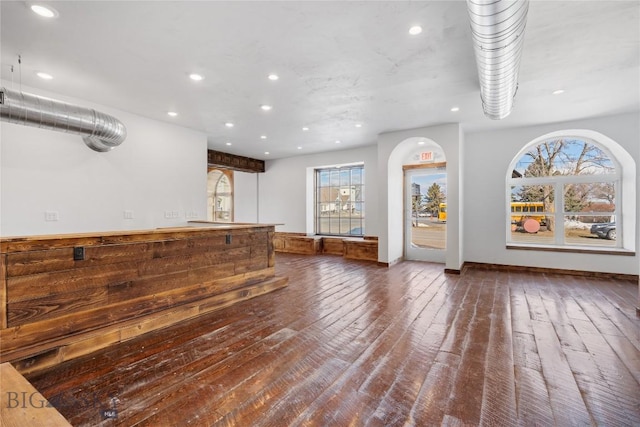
x=349, y=343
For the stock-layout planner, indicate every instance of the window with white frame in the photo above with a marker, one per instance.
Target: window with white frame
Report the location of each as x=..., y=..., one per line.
x=339, y=200
x=565, y=192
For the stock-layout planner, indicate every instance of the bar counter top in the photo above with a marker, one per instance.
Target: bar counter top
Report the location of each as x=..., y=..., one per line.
x=29, y=242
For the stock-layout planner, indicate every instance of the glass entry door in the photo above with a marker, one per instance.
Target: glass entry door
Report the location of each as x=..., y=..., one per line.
x=425, y=214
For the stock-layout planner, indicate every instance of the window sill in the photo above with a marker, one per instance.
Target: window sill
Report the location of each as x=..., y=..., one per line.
x=573, y=249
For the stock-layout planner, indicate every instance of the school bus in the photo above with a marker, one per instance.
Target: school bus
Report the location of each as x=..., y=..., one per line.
x=521, y=211
x=442, y=212
x=525, y=209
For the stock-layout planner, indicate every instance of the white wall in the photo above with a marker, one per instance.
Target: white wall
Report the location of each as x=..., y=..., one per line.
x=392, y=148
x=245, y=196
x=283, y=194
x=160, y=168
x=487, y=157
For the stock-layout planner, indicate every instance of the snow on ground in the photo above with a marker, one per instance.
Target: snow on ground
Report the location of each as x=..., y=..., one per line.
x=574, y=224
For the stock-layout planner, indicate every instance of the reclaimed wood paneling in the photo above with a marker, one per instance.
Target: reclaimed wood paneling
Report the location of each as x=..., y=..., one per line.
x=3, y=291
x=49, y=299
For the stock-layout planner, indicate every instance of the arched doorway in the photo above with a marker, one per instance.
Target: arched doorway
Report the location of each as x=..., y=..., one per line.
x=425, y=201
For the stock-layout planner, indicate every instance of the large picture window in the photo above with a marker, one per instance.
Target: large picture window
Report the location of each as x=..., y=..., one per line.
x=339, y=200
x=565, y=192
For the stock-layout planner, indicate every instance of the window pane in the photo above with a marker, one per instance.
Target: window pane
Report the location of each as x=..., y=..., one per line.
x=356, y=176
x=563, y=156
x=531, y=230
x=590, y=197
x=335, y=178
x=590, y=214
x=532, y=217
x=334, y=225
x=323, y=178
x=345, y=177
x=601, y=231
x=532, y=201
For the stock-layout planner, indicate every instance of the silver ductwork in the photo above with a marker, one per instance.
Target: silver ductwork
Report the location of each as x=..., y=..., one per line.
x=101, y=132
x=497, y=27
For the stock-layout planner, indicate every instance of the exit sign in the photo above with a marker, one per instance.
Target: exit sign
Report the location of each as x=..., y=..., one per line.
x=426, y=156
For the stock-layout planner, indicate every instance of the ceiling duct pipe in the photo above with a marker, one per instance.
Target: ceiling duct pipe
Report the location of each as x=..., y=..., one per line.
x=101, y=132
x=497, y=27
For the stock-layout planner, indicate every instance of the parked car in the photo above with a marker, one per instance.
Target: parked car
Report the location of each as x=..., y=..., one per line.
x=605, y=230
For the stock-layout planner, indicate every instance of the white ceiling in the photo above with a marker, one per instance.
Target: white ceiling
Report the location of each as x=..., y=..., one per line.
x=339, y=63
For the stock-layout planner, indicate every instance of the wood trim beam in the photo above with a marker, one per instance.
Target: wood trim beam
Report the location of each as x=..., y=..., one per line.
x=234, y=162
x=425, y=166
x=545, y=270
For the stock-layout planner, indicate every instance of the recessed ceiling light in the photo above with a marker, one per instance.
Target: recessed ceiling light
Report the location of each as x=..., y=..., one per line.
x=266, y=152
x=172, y=113
x=195, y=77
x=229, y=124
x=338, y=141
x=266, y=107
x=558, y=92
x=273, y=77
x=44, y=11
x=420, y=142
x=305, y=128
x=358, y=125
x=44, y=76
x=263, y=136
x=228, y=143
x=415, y=30
x=455, y=109
x=299, y=148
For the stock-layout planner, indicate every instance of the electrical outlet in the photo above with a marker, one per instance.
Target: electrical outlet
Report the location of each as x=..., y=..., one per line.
x=127, y=214
x=191, y=215
x=171, y=214
x=78, y=253
x=50, y=216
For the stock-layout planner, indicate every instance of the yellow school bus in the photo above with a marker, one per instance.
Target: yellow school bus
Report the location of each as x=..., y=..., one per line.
x=521, y=211
x=442, y=212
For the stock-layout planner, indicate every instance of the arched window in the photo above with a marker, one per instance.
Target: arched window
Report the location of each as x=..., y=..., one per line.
x=220, y=195
x=566, y=191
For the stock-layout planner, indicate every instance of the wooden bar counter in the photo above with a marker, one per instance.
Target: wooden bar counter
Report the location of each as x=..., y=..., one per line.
x=64, y=296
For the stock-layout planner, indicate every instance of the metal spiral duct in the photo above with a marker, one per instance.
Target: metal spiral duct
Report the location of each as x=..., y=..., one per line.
x=497, y=28
x=101, y=132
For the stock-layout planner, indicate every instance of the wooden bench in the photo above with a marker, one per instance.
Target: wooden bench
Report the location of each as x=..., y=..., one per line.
x=297, y=243
x=22, y=405
x=333, y=245
x=365, y=248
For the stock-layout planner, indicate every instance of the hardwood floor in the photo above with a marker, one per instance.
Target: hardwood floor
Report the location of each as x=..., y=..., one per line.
x=351, y=343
